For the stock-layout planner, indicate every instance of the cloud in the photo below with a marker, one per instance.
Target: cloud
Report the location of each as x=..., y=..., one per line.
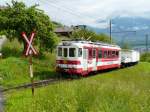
x=89, y=12
x=140, y=28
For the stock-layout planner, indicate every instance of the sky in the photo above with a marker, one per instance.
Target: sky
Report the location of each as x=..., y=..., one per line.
x=95, y=13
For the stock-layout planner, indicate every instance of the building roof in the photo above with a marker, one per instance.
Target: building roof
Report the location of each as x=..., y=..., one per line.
x=64, y=29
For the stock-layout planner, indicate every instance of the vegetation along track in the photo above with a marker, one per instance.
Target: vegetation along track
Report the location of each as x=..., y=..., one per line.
x=37, y=84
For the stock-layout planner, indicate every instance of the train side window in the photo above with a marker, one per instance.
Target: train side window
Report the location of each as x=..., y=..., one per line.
x=105, y=54
x=65, y=52
x=72, y=52
x=109, y=54
x=117, y=53
x=113, y=54
x=90, y=53
x=94, y=53
x=59, y=51
x=100, y=54
x=80, y=52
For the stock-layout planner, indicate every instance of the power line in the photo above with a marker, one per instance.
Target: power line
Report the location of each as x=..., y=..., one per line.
x=110, y=27
x=67, y=8
x=124, y=32
x=64, y=9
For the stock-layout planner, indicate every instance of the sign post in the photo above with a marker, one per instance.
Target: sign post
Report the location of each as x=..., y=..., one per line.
x=31, y=73
x=30, y=51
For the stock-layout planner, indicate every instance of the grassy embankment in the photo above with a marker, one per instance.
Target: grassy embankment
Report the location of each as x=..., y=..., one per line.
x=122, y=90
x=14, y=68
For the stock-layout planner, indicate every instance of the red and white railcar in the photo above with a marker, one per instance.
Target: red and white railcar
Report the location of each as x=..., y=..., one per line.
x=83, y=57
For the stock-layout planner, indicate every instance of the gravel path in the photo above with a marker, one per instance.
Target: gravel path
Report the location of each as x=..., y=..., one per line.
x=2, y=40
x=1, y=101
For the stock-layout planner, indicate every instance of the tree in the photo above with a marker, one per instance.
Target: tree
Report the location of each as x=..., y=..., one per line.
x=17, y=17
x=126, y=45
x=90, y=35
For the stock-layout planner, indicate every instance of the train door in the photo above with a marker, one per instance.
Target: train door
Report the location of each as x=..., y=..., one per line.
x=85, y=59
x=94, y=59
x=90, y=59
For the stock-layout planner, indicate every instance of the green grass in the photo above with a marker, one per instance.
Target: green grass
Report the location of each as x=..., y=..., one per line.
x=122, y=90
x=145, y=57
x=15, y=71
x=14, y=67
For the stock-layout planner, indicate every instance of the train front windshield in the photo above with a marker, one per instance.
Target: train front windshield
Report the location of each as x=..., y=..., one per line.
x=69, y=52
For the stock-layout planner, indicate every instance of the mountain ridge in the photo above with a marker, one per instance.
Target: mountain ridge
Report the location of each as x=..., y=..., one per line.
x=138, y=27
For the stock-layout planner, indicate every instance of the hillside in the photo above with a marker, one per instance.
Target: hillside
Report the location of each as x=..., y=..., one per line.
x=120, y=24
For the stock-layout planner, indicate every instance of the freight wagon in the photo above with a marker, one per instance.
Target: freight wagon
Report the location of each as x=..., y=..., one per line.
x=129, y=57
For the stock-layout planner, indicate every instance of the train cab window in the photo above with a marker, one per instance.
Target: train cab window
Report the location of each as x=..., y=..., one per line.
x=99, y=54
x=94, y=53
x=59, y=51
x=105, y=54
x=72, y=52
x=79, y=52
x=65, y=52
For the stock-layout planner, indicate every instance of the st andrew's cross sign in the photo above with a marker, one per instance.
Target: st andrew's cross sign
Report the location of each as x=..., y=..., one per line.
x=29, y=51
x=29, y=47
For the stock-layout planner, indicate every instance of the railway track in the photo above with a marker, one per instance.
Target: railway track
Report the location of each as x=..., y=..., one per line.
x=36, y=84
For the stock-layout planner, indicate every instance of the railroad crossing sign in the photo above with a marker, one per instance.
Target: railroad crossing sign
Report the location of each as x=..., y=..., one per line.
x=29, y=51
x=29, y=47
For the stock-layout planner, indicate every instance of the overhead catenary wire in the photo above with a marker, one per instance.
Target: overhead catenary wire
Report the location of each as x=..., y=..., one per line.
x=66, y=10
x=76, y=14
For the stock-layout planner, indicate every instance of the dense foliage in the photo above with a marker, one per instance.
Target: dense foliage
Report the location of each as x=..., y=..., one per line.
x=17, y=17
x=90, y=35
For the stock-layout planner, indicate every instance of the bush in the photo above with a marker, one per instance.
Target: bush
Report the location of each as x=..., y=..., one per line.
x=12, y=48
x=145, y=57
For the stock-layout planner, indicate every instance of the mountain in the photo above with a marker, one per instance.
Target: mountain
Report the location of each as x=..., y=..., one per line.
x=132, y=30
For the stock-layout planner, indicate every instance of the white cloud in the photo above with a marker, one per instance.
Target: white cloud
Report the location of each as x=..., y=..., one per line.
x=139, y=28
x=90, y=11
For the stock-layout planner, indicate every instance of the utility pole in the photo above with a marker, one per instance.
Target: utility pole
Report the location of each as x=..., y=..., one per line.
x=110, y=31
x=146, y=42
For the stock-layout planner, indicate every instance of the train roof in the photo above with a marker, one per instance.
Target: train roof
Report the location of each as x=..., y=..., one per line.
x=82, y=42
x=129, y=50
